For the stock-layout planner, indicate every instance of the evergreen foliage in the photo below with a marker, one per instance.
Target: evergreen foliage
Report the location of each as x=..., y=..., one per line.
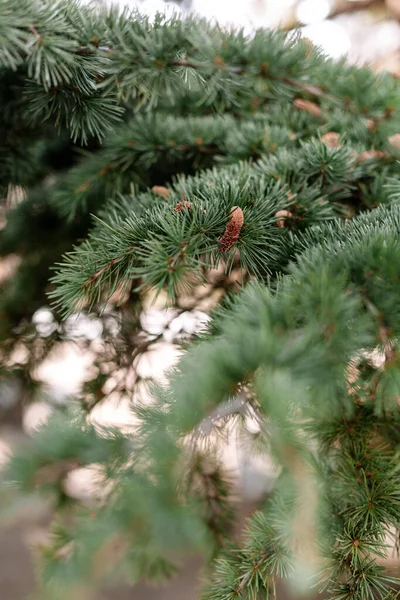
x=251, y=166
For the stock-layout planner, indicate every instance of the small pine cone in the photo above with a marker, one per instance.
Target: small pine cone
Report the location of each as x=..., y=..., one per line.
x=232, y=230
x=285, y=214
x=219, y=61
x=331, y=139
x=308, y=106
x=160, y=190
x=181, y=205
x=394, y=140
x=83, y=188
x=370, y=125
x=370, y=155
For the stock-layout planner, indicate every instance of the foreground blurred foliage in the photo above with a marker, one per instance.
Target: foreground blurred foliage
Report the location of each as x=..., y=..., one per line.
x=247, y=175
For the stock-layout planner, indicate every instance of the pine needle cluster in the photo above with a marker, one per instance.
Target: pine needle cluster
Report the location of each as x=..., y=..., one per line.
x=249, y=165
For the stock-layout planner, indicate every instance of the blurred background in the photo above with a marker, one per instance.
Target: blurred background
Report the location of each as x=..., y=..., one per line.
x=64, y=360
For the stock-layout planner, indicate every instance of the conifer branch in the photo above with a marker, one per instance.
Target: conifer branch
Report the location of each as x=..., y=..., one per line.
x=251, y=165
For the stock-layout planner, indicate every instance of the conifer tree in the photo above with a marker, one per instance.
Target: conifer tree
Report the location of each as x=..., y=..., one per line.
x=202, y=152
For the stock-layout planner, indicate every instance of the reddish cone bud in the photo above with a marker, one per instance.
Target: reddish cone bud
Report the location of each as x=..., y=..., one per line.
x=307, y=106
x=285, y=214
x=233, y=228
x=331, y=139
x=181, y=205
x=160, y=190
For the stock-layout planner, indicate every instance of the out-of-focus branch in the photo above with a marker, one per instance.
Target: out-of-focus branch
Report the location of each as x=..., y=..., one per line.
x=346, y=6
x=339, y=7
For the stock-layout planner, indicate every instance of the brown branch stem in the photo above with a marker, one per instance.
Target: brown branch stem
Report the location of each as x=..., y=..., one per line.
x=245, y=578
x=110, y=264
